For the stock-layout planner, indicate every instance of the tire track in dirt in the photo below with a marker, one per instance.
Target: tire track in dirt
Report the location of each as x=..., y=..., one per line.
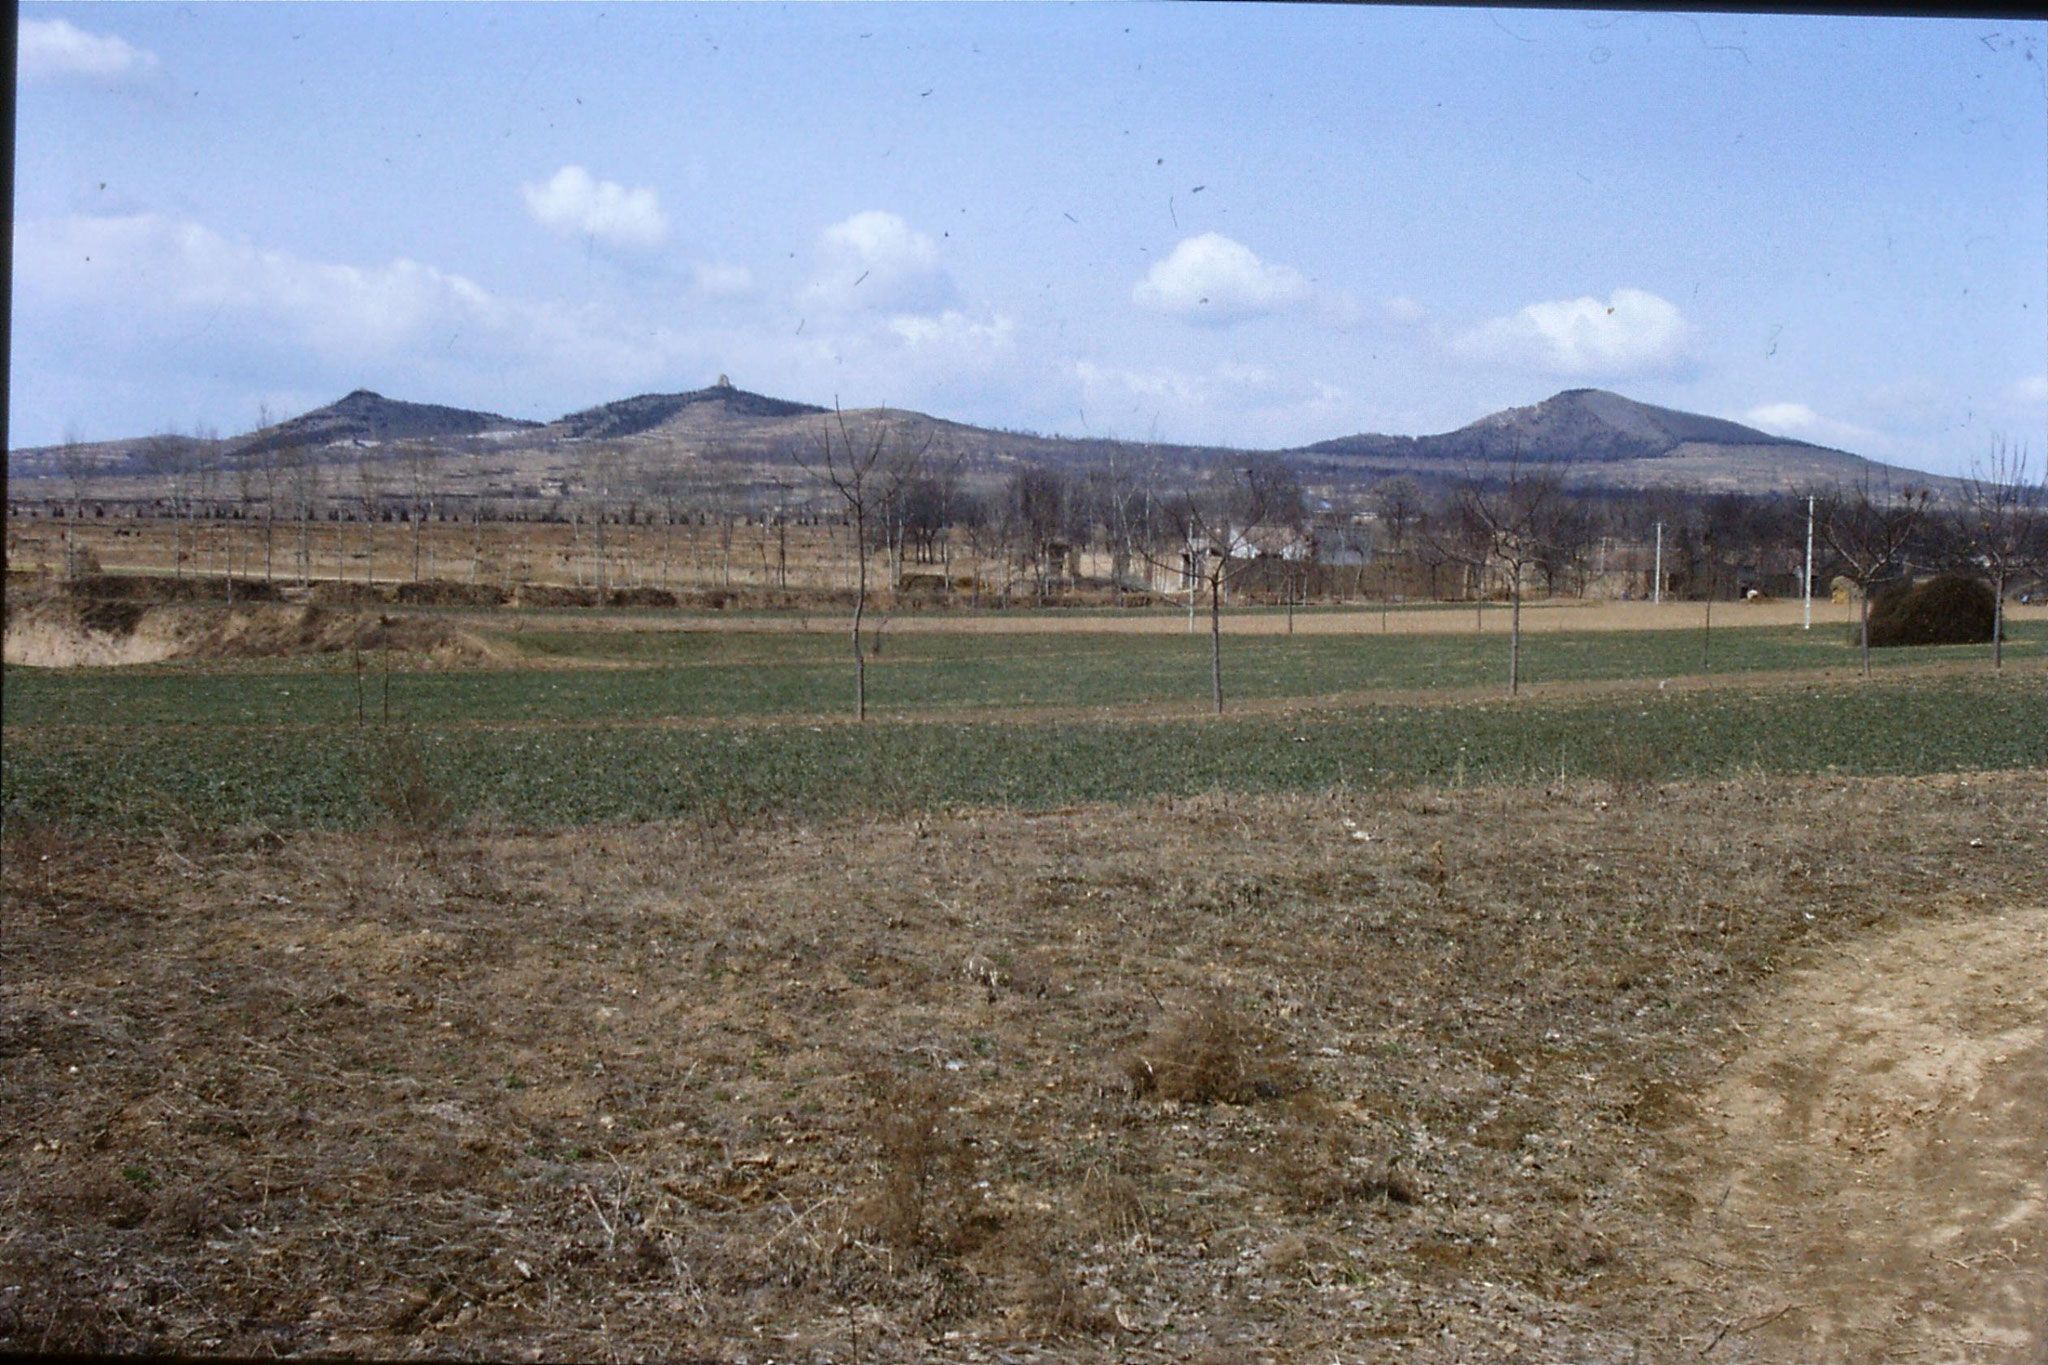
x=1871, y=1171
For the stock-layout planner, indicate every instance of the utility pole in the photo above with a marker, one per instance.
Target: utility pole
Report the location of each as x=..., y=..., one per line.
x=1657, y=581
x=1807, y=610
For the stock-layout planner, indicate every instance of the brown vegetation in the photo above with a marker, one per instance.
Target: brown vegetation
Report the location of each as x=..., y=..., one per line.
x=1426, y=1073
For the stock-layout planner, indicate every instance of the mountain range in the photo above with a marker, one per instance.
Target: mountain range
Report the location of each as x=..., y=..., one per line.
x=1596, y=438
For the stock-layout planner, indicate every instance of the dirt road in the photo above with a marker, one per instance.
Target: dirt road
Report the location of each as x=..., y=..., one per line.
x=1872, y=1185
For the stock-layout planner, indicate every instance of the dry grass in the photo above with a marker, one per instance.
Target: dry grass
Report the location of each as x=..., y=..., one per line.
x=861, y=1092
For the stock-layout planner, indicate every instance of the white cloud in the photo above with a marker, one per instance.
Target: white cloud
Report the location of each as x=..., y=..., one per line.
x=163, y=271
x=1802, y=423
x=722, y=281
x=1232, y=403
x=1403, y=311
x=190, y=311
x=1633, y=332
x=1213, y=279
x=955, y=333
x=575, y=204
x=2033, y=389
x=52, y=49
x=875, y=261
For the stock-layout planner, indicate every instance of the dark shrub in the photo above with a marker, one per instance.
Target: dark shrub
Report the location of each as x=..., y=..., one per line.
x=164, y=588
x=1949, y=610
x=641, y=597
x=548, y=595
x=439, y=592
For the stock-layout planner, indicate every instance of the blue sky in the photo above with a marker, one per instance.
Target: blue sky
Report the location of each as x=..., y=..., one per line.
x=1254, y=225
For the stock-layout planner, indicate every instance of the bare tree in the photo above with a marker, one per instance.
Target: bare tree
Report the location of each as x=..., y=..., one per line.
x=851, y=465
x=370, y=498
x=667, y=484
x=262, y=459
x=167, y=458
x=476, y=514
x=423, y=489
x=1869, y=527
x=75, y=462
x=1397, y=503
x=1511, y=525
x=1035, y=513
x=301, y=477
x=1216, y=526
x=785, y=491
x=2002, y=525
x=607, y=467
x=205, y=485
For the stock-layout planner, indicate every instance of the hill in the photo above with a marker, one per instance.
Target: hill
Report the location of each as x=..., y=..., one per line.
x=374, y=419
x=1601, y=439
x=737, y=438
x=695, y=412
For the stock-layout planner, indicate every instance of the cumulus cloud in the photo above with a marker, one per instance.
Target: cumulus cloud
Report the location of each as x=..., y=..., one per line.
x=875, y=261
x=2032, y=389
x=1802, y=423
x=1213, y=279
x=184, y=305
x=181, y=301
x=160, y=267
x=1633, y=332
x=722, y=281
x=52, y=49
x=575, y=204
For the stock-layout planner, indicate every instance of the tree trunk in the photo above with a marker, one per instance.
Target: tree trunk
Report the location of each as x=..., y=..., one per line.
x=1707, y=629
x=1865, y=633
x=1216, y=641
x=1515, y=635
x=1998, y=619
x=860, y=606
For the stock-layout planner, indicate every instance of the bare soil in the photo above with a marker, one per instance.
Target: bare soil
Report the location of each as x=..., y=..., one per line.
x=64, y=632
x=1361, y=619
x=1880, y=1152
x=1444, y=1076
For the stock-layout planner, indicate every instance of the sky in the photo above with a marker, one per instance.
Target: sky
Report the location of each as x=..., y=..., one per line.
x=1248, y=225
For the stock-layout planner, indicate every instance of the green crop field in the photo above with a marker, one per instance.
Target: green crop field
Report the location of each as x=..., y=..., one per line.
x=732, y=675
x=216, y=775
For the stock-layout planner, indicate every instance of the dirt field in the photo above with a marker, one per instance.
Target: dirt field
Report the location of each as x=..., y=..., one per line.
x=1879, y=1151
x=1735, y=1071
x=1446, y=619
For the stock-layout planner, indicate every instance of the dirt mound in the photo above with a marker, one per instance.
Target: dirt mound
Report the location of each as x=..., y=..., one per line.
x=57, y=632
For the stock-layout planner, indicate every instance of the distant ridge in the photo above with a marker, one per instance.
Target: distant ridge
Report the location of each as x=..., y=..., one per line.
x=367, y=416
x=1579, y=425
x=634, y=416
x=1597, y=439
